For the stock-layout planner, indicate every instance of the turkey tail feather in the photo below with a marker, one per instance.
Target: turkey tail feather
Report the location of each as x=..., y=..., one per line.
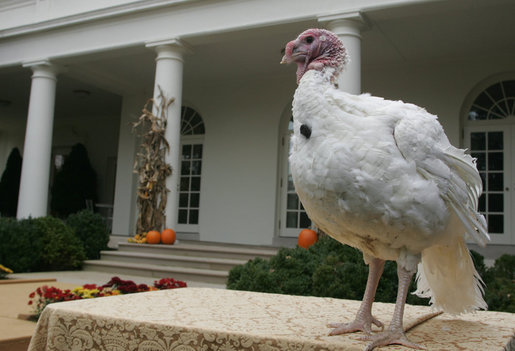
x=447, y=275
x=471, y=188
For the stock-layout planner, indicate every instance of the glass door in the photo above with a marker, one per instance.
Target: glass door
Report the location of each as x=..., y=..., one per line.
x=492, y=147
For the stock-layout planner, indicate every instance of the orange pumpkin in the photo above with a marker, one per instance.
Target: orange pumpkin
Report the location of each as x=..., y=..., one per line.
x=153, y=237
x=307, y=237
x=168, y=236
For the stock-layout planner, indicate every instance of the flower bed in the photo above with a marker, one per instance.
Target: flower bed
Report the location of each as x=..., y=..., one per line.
x=45, y=295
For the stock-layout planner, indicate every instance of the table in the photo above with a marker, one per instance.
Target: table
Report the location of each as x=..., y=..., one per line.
x=190, y=319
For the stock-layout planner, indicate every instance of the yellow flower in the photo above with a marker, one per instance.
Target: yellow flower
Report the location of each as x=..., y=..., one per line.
x=5, y=269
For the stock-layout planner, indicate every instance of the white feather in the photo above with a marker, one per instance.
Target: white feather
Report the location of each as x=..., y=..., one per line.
x=382, y=176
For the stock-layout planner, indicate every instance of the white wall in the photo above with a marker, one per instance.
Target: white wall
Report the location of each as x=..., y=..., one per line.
x=440, y=87
x=238, y=189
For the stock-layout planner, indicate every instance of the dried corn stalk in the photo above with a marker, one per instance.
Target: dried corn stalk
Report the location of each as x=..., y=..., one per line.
x=150, y=165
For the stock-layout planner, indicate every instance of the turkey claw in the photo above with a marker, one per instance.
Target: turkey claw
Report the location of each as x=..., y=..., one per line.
x=357, y=325
x=390, y=338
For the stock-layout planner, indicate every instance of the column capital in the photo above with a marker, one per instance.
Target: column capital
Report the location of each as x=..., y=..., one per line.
x=172, y=43
x=42, y=68
x=345, y=23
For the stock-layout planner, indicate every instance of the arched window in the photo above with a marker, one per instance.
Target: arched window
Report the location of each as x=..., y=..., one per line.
x=495, y=102
x=192, y=137
x=489, y=136
x=292, y=216
x=191, y=122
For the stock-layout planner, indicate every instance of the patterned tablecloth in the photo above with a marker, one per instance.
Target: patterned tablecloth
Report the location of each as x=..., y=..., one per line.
x=215, y=319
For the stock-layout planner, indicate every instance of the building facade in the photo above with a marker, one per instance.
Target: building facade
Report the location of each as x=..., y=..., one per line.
x=74, y=71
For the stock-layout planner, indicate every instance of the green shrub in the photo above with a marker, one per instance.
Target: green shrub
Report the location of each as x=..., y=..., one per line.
x=330, y=269
x=40, y=244
x=21, y=246
x=91, y=229
x=62, y=250
x=327, y=268
x=500, y=285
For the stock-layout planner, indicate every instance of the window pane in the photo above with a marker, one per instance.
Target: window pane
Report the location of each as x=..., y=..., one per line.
x=496, y=224
x=480, y=160
x=185, y=167
x=185, y=183
x=196, y=167
x=186, y=152
x=194, y=200
x=476, y=113
x=495, y=141
x=495, y=202
x=291, y=186
x=193, y=217
x=195, y=184
x=196, y=120
x=483, y=101
x=305, y=222
x=292, y=202
x=482, y=203
x=183, y=217
x=291, y=220
x=495, y=92
x=197, y=151
x=477, y=141
x=495, y=161
x=183, y=200
x=496, y=113
x=199, y=129
x=495, y=181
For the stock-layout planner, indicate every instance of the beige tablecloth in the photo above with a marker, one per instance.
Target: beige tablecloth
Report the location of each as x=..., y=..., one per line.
x=215, y=319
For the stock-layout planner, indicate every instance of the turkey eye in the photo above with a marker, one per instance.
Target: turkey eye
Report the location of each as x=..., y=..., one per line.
x=305, y=130
x=309, y=39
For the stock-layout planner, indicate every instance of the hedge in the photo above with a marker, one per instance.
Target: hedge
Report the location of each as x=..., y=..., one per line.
x=39, y=244
x=330, y=269
x=91, y=229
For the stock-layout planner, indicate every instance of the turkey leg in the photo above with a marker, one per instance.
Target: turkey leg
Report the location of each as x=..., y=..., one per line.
x=364, y=319
x=395, y=332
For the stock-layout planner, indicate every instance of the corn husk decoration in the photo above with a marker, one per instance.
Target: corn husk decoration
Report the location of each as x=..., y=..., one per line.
x=150, y=165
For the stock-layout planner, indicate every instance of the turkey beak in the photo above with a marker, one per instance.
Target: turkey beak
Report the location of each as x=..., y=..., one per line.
x=285, y=59
x=287, y=52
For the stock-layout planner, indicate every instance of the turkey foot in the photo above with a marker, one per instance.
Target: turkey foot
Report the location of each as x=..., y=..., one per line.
x=363, y=324
x=364, y=318
x=390, y=337
x=395, y=333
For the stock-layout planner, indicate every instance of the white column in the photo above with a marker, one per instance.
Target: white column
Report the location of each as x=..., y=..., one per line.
x=124, y=209
x=37, y=151
x=348, y=28
x=169, y=68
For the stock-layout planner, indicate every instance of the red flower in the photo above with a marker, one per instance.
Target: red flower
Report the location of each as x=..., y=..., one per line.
x=90, y=286
x=169, y=283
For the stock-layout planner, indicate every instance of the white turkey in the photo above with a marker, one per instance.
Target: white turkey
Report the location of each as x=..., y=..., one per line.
x=381, y=176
